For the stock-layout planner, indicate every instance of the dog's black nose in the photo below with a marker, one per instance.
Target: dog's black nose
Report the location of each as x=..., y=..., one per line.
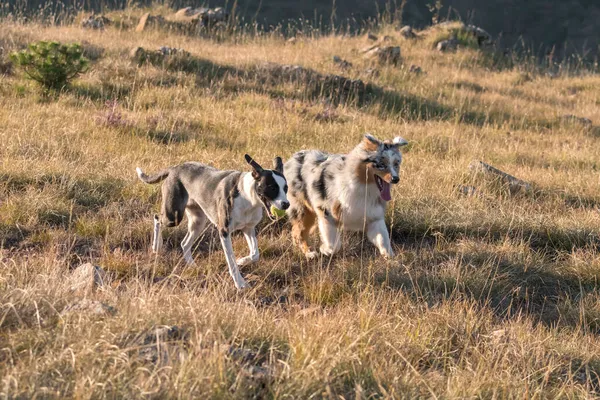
x=395, y=179
x=285, y=205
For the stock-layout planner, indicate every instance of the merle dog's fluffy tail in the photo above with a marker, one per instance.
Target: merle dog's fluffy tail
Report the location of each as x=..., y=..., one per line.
x=152, y=179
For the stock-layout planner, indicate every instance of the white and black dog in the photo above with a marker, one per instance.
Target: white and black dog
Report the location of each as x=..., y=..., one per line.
x=231, y=200
x=343, y=192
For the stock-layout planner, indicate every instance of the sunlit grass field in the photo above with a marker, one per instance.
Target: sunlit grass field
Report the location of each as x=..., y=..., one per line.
x=489, y=296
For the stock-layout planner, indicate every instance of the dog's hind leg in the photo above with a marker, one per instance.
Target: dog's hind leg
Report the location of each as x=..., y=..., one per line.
x=196, y=224
x=157, y=238
x=250, y=235
x=378, y=235
x=174, y=202
x=303, y=221
x=234, y=271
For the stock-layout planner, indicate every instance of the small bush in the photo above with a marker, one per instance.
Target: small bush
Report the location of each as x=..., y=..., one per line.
x=53, y=65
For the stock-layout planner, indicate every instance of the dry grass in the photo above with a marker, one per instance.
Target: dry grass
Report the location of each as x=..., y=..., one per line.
x=488, y=297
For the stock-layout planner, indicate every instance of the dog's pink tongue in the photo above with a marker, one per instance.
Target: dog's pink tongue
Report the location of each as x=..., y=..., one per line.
x=385, y=191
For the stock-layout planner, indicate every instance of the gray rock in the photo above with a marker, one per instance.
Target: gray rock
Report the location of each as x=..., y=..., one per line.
x=407, y=32
x=483, y=37
x=372, y=37
x=87, y=306
x=159, y=344
x=467, y=190
x=415, y=69
x=574, y=119
x=384, y=55
x=148, y=20
x=343, y=64
x=86, y=279
x=514, y=185
x=187, y=12
x=372, y=72
x=211, y=17
x=98, y=22
x=170, y=51
x=239, y=354
x=389, y=55
x=447, y=45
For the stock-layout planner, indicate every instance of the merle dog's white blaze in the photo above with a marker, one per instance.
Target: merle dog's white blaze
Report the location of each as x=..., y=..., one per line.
x=281, y=199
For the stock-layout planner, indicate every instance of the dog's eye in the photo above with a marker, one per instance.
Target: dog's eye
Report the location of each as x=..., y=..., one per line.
x=285, y=188
x=380, y=166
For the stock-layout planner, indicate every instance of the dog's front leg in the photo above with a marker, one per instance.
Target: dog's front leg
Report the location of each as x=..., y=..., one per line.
x=378, y=235
x=330, y=237
x=234, y=271
x=250, y=235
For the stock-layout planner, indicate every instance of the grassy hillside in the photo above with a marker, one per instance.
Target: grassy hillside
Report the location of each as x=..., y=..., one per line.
x=489, y=296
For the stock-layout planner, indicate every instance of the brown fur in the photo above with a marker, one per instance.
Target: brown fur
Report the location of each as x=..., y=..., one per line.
x=364, y=173
x=336, y=212
x=369, y=145
x=302, y=226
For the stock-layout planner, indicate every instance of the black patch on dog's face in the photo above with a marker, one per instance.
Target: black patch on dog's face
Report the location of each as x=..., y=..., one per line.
x=266, y=185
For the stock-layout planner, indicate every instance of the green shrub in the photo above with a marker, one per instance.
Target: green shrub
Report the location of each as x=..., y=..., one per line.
x=53, y=65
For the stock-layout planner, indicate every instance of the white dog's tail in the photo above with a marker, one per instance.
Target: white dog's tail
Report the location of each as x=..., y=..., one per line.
x=151, y=179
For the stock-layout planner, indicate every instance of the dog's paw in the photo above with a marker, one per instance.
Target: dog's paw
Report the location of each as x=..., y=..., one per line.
x=326, y=251
x=189, y=260
x=311, y=255
x=246, y=260
x=388, y=254
x=242, y=284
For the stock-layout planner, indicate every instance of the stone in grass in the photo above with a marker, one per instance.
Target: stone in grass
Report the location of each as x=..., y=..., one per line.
x=515, y=185
x=147, y=20
x=86, y=279
x=253, y=381
x=482, y=36
x=240, y=355
x=467, y=190
x=255, y=374
x=384, y=55
x=97, y=22
x=343, y=64
x=90, y=307
x=187, y=12
x=371, y=72
x=574, y=119
x=407, y=32
x=140, y=55
x=447, y=45
x=415, y=69
x=158, y=345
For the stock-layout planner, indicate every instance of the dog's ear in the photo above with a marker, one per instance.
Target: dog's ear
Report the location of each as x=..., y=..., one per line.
x=370, y=142
x=399, y=142
x=278, y=165
x=256, y=168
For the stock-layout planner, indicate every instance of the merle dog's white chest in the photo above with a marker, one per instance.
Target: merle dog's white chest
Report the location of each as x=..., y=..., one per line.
x=360, y=207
